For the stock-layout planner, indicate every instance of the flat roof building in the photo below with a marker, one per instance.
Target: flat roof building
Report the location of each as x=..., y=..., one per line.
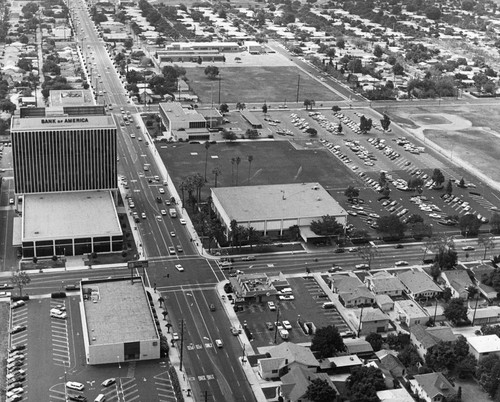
x=71, y=97
x=68, y=224
x=485, y=345
x=118, y=322
x=273, y=209
x=183, y=124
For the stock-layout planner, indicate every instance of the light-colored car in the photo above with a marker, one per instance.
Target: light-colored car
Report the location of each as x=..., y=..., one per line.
x=218, y=343
x=171, y=250
x=179, y=267
x=143, y=215
x=11, y=201
x=161, y=190
x=468, y=248
x=401, y=263
x=58, y=314
x=182, y=221
x=286, y=297
x=287, y=325
x=175, y=336
x=108, y=382
x=172, y=234
x=271, y=306
x=163, y=212
x=75, y=385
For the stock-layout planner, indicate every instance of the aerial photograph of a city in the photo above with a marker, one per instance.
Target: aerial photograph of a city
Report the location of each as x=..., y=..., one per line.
x=249, y=201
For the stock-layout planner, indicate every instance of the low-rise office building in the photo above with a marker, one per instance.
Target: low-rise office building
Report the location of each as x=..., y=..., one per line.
x=118, y=322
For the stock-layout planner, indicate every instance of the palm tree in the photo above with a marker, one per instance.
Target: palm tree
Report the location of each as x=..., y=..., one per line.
x=233, y=160
x=216, y=172
x=233, y=226
x=250, y=160
x=207, y=145
x=240, y=106
x=198, y=183
x=238, y=161
x=487, y=242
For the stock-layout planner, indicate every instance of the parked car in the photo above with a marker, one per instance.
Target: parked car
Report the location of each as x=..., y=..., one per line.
x=75, y=385
x=271, y=306
x=18, y=328
x=108, y=382
x=218, y=343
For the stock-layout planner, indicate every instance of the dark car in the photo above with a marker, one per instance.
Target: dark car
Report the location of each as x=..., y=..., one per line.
x=340, y=250
x=212, y=307
x=76, y=397
x=18, y=328
x=17, y=348
x=398, y=246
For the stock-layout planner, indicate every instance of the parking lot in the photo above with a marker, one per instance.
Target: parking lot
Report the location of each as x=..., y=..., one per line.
x=305, y=308
x=51, y=360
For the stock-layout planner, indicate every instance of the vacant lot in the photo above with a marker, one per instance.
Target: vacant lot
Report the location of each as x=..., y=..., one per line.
x=273, y=163
x=257, y=84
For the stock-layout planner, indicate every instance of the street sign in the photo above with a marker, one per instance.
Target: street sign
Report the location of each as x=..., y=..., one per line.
x=137, y=264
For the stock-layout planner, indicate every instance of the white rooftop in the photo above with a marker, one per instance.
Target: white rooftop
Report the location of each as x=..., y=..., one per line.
x=485, y=343
x=69, y=215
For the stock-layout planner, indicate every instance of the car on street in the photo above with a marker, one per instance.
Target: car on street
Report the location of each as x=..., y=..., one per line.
x=179, y=249
x=163, y=212
x=143, y=215
x=75, y=385
x=175, y=336
x=218, y=343
x=339, y=250
x=172, y=234
x=401, y=263
x=11, y=201
x=335, y=268
x=182, y=221
x=271, y=306
x=161, y=190
x=235, y=331
x=108, y=382
x=18, y=328
x=398, y=246
x=171, y=250
x=179, y=267
x=362, y=266
x=468, y=248
x=248, y=258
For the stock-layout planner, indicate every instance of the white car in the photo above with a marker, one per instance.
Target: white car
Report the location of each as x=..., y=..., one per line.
x=271, y=306
x=401, y=263
x=286, y=297
x=61, y=315
x=143, y=215
x=108, y=382
x=75, y=385
x=182, y=221
x=287, y=325
x=179, y=267
x=161, y=190
x=218, y=343
x=175, y=336
x=163, y=212
x=468, y=248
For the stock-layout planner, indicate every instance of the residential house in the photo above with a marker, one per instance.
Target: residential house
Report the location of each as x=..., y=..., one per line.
x=344, y=364
x=458, y=281
x=410, y=313
x=297, y=380
x=383, y=283
x=424, y=338
x=485, y=345
x=358, y=347
x=372, y=320
x=419, y=285
x=285, y=356
x=485, y=315
x=352, y=292
x=392, y=364
x=432, y=387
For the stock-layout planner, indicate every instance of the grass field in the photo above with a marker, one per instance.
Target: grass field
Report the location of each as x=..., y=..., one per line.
x=479, y=145
x=273, y=163
x=257, y=84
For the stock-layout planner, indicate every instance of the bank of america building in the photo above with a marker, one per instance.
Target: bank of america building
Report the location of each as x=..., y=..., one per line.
x=65, y=159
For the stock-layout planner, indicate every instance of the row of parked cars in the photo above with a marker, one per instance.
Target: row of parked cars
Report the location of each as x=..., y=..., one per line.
x=16, y=361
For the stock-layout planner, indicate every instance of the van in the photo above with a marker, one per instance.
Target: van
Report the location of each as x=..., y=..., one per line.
x=283, y=333
x=328, y=305
x=100, y=398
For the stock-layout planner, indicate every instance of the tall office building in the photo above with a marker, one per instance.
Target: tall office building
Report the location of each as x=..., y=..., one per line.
x=58, y=152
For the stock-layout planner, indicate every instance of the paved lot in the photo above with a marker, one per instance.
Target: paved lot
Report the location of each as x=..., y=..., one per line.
x=305, y=308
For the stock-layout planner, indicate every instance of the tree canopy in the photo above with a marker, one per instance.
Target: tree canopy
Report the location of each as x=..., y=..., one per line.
x=363, y=384
x=320, y=391
x=327, y=226
x=327, y=342
x=211, y=72
x=391, y=226
x=456, y=310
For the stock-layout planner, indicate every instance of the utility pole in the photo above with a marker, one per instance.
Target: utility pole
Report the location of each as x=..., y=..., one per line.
x=475, y=309
x=220, y=78
x=182, y=342
x=360, y=321
x=298, y=88
x=276, y=324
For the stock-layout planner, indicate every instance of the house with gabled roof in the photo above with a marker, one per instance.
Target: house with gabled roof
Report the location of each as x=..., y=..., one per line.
x=285, y=356
x=458, y=281
x=297, y=380
x=424, y=338
x=419, y=285
x=352, y=292
x=372, y=320
x=432, y=387
x=383, y=283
